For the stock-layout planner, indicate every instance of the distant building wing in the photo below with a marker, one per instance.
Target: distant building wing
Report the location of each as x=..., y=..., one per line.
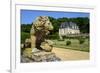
x=68, y=28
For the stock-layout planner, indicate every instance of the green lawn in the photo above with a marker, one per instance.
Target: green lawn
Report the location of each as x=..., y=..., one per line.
x=74, y=44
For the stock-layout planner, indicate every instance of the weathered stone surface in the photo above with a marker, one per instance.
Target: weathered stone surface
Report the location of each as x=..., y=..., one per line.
x=42, y=47
x=28, y=40
x=45, y=57
x=26, y=59
x=22, y=45
x=41, y=56
x=27, y=43
x=42, y=23
x=47, y=45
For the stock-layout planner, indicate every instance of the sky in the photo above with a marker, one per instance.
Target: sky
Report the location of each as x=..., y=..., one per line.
x=28, y=16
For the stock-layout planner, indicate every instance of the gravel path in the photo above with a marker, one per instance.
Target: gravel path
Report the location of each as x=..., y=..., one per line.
x=67, y=54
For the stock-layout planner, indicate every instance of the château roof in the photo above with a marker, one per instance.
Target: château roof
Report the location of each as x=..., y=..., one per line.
x=71, y=25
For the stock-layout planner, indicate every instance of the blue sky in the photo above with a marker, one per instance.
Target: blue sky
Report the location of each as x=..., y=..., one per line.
x=28, y=16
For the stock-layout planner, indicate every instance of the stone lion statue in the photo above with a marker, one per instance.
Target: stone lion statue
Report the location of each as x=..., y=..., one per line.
x=39, y=31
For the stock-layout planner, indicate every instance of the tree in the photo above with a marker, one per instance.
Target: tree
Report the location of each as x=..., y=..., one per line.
x=55, y=24
x=26, y=27
x=83, y=23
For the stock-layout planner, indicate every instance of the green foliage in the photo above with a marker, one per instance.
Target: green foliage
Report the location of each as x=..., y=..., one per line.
x=83, y=23
x=81, y=40
x=55, y=24
x=25, y=31
x=70, y=37
x=26, y=27
x=68, y=42
x=53, y=37
x=75, y=45
x=60, y=39
x=24, y=35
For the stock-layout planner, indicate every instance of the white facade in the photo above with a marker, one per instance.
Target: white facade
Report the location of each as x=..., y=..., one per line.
x=68, y=28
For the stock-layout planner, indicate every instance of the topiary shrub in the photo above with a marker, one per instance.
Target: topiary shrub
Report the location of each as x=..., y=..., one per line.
x=81, y=41
x=68, y=43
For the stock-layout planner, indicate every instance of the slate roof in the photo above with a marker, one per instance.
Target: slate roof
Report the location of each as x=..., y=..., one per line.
x=71, y=25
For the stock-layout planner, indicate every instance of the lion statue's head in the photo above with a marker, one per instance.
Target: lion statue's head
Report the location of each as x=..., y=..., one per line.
x=41, y=23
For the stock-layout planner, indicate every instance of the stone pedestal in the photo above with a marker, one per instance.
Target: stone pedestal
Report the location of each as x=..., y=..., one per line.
x=41, y=56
